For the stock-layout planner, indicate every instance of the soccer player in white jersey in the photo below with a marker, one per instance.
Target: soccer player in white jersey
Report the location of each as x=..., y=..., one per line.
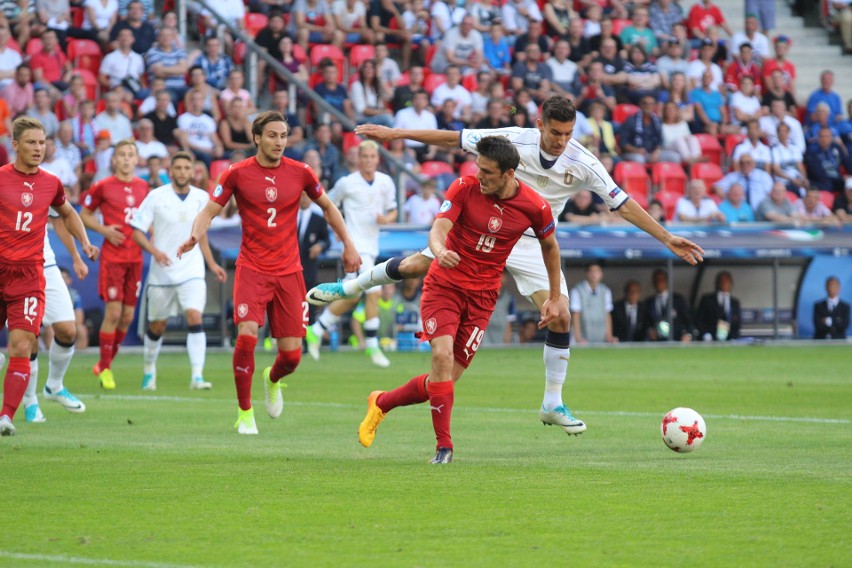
x=557, y=167
x=59, y=314
x=368, y=199
x=175, y=283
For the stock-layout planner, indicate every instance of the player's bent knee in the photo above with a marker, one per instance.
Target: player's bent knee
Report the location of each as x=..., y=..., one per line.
x=289, y=361
x=65, y=332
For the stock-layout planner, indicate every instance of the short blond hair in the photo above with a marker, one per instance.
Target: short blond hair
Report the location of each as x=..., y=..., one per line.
x=368, y=145
x=24, y=123
x=126, y=142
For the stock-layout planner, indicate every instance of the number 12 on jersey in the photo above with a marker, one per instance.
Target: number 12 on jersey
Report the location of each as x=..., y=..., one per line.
x=23, y=221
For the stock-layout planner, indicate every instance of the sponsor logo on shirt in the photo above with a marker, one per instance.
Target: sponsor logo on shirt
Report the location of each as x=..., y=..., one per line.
x=431, y=325
x=499, y=208
x=494, y=224
x=446, y=205
x=216, y=192
x=544, y=230
x=614, y=192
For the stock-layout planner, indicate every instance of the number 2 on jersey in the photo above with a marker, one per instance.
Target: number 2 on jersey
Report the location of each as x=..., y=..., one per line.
x=271, y=221
x=486, y=243
x=23, y=221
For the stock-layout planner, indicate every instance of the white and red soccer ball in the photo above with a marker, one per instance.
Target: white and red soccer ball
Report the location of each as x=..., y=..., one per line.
x=683, y=430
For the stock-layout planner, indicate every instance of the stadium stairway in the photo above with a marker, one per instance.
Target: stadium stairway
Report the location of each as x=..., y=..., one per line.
x=812, y=52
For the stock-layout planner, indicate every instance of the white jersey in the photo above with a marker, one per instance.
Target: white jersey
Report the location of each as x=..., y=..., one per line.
x=49, y=255
x=362, y=202
x=556, y=181
x=170, y=219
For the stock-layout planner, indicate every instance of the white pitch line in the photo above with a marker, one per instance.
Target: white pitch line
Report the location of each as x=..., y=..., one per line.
x=183, y=399
x=89, y=561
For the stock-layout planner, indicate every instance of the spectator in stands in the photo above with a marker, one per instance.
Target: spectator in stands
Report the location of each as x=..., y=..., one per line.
x=744, y=105
x=485, y=13
x=496, y=51
x=42, y=110
x=10, y=59
x=643, y=78
x=55, y=15
x=217, y=67
x=99, y=17
x=51, y=69
x=826, y=94
x=447, y=120
x=84, y=129
x=821, y=119
x=154, y=174
x=61, y=168
x=664, y=14
x=211, y=96
x=672, y=61
x=269, y=38
x=196, y=131
x=70, y=101
x=462, y=47
x=592, y=21
x=144, y=33
x=642, y=134
x=417, y=21
x=696, y=207
x=842, y=206
x=386, y=66
x=20, y=93
x=496, y=115
x=235, y=129
x=558, y=15
x=639, y=33
x=381, y=14
x=831, y=316
x=788, y=166
x=613, y=66
x=112, y=119
x=517, y=15
x=753, y=146
x=350, y=17
x=823, y=161
x=123, y=66
x=780, y=62
x=777, y=115
x=677, y=138
x=333, y=93
x=657, y=211
x=417, y=117
x=291, y=63
x=581, y=47
x=295, y=132
x=734, y=207
x=422, y=207
x=708, y=105
x=591, y=308
x=719, y=314
x=604, y=144
x=328, y=153
x=752, y=35
x=678, y=93
x=532, y=75
x=840, y=15
x=705, y=63
x=236, y=89
x=452, y=89
x=813, y=210
x=594, y=89
x=703, y=15
x=165, y=61
x=776, y=208
x=581, y=210
x=146, y=145
x=628, y=315
x=656, y=308
x=755, y=181
x=445, y=14
x=743, y=65
x=369, y=96
x=481, y=95
x=534, y=35
x=102, y=156
x=404, y=94
x=774, y=88
x=66, y=148
x=164, y=122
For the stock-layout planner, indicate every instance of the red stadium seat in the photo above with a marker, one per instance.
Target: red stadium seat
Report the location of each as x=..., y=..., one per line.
x=827, y=198
x=709, y=172
x=470, y=82
x=217, y=168
x=710, y=148
x=299, y=53
x=240, y=50
x=468, y=168
x=77, y=17
x=623, y=111
x=34, y=46
x=350, y=140
x=91, y=82
x=322, y=51
x=731, y=142
x=632, y=177
x=669, y=176
x=792, y=197
x=436, y=168
x=255, y=22
x=668, y=199
x=404, y=79
x=433, y=81
x=85, y=54
x=641, y=200
x=619, y=24
x=359, y=54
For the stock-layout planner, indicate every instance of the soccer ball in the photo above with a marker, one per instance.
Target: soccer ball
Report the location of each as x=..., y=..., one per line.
x=683, y=430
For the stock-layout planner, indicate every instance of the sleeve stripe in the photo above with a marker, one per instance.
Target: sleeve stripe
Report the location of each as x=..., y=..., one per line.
x=622, y=203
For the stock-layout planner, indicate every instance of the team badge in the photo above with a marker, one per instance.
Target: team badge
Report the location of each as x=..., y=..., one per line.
x=494, y=224
x=271, y=194
x=218, y=191
x=26, y=199
x=88, y=201
x=431, y=326
x=542, y=181
x=445, y=206
x=112, y=292
x=242, y=310
x=131, y=201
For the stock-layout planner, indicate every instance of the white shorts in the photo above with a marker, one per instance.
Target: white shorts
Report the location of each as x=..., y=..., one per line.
x=166, y=301
x=57, y=300
x=367, y=264
x=526, y=266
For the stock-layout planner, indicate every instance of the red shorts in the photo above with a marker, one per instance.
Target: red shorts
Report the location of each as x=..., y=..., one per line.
x=120, y=282
x=22, y=296
x=462, y=314
x=281, y=298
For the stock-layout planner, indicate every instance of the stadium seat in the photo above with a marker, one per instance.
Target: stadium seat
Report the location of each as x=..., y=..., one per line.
x=240, y=50
x=255, y=22
x=827, y=198
x=623, y=111
x=632, y=177
x=34, y=46
x=468, y=168
x=433, y=81
x=91, y=82
x=619, y=24
x=668, y=199
x=85, y=54
x=669, y=176
x=731, y=142
x=470, y=83
x=358, y=54
x=77, y=15
x=217, y=168
x=436, y=168
x=350, y=140
x=709, y=172
x=792, y=197
x=299, y=53
x=641, y=200
x=710, y=148
x=404, y=79
x=322, y=51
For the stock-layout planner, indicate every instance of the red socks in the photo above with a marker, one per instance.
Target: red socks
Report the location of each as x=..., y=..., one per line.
x=412, y=392
x=244, y=368
x=15, y=385
x=107, y=349
x=285, y=363
x=119, y=337
x=441, y=402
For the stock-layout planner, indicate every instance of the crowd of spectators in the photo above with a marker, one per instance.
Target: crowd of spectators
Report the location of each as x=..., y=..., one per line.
x=655, y=81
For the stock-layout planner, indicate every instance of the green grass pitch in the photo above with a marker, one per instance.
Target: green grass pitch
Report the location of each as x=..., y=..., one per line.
x=162, y=479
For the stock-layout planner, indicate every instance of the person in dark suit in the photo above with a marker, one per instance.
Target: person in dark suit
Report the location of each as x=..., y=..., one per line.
x=831, y=316
x=628, y=314
x=657, y=310
x=314, y=239
x=719, y=306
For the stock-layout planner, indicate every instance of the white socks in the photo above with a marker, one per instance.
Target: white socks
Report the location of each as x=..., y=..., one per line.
x=196, y=346
x=150, y=352
x=555, y=369
x=325, y=321
x=59, y=358
x=30, y=396
x=376, y=276
x=371, y=326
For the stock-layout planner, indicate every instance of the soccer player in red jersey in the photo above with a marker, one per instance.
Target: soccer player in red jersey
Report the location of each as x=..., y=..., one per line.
x=480, y=221
x=26, y=194
x=269, y=279
x=120, y=277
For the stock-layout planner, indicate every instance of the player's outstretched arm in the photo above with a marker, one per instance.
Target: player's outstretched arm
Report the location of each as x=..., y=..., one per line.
x=443, y=138
x=438, y=244
x=75, y=226
x=214, y=267
x=141, y=239
x=200, y=226
x=684, y=248
x=351, y=258
x=80, y=267
x=553, y=264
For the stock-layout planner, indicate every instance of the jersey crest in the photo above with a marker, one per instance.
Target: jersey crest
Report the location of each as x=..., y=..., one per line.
x=271, y=194
x=431, y=325
x=494, y=224
x=26, y=198
x=131, y=201
x=542, y=181
x=242, y=310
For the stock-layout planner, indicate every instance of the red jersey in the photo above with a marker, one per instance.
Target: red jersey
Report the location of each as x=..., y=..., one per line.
x=51, y=64
x=736, y=70
x=268, y=201
x=787, y=68
x=24, y=203
x=118, y=201
x=485, y=229
x=702, y=18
